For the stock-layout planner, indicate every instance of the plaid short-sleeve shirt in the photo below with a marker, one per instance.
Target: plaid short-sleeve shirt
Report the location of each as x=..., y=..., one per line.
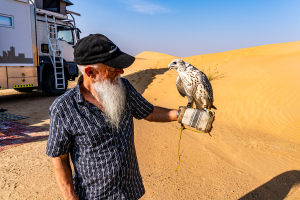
x=105, y=162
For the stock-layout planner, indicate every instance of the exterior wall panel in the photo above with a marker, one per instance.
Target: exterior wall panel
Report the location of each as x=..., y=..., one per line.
x=16, y=42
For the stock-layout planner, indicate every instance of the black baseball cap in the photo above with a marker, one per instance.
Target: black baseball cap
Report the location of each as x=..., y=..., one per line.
x=97, y=48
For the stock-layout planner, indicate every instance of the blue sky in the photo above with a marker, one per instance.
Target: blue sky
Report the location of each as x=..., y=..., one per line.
x=187, y=28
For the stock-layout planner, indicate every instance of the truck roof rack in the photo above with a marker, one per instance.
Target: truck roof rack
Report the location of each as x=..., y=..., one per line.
x=49, y=13
x=71, y=12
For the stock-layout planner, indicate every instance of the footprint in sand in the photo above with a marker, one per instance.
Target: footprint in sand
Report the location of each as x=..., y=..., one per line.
x=161, y=80
x=198, y=182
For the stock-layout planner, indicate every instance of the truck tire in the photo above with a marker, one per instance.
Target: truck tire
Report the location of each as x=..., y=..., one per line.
x=29, y=89
x=49, y=84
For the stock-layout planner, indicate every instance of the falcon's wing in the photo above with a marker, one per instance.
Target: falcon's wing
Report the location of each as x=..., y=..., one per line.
x=206, y=85
x=180, y=88
x=190, y=67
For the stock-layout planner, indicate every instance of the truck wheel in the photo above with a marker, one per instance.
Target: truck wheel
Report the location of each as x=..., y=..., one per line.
x=24, y=89
x=49, y=84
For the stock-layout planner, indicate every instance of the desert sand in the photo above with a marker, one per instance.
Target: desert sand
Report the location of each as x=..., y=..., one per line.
x=253, y=152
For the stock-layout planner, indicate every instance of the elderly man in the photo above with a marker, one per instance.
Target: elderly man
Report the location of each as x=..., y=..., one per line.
x=93, y=123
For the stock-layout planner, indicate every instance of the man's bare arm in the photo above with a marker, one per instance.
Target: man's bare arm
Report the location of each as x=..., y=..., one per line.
x=160, y=114
x=63, y=175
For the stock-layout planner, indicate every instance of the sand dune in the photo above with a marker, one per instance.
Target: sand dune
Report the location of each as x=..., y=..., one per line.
x=149, y=60
x=258, y=87
x=257, y=127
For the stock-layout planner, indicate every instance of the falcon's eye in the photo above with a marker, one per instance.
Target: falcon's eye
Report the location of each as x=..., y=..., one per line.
x=174, y=63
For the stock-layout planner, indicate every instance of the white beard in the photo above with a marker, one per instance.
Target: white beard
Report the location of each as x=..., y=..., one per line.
x=112, y=97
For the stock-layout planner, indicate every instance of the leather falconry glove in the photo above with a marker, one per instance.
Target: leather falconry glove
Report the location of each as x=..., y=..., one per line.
x=199, y=119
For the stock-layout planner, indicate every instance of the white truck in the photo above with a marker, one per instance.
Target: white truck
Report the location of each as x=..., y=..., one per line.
x=36, y=45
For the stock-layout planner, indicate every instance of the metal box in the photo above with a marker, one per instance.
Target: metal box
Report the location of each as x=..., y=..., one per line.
x=22, y=82
x=18, y=72
x=3, y=78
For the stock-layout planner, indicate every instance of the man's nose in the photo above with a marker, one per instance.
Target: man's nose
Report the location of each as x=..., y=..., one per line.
x=120, y=71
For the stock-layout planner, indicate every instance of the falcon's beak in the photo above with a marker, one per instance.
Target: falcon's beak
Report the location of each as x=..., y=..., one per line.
x=170, y=66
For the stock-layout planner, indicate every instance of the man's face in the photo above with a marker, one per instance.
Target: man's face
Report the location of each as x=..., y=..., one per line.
x=107, y=73
x=110, y=93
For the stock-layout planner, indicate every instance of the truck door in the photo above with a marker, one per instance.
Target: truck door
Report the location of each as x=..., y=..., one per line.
x=65, y=35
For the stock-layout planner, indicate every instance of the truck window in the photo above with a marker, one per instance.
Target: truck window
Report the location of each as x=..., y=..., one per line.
x=51, y=5
x=65, y=34
x=6, y=21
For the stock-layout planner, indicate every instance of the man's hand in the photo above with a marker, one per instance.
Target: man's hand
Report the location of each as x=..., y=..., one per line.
x=162, y=115
x=63, y=175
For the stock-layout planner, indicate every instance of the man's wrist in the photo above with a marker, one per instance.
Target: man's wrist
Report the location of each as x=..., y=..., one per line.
x=178, y=113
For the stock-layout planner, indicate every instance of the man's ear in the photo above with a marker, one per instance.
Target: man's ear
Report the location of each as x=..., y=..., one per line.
x=90, y=72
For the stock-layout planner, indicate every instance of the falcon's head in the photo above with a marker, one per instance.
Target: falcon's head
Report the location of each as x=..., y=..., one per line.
x=178, y=64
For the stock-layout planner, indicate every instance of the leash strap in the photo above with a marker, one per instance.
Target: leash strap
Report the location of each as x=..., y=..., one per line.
x=181, y=129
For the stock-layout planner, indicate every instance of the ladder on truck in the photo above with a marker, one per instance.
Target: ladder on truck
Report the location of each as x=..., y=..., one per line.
x=55, y=53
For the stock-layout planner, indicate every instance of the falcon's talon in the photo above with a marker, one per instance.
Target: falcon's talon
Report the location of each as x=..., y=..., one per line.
x=189, y=105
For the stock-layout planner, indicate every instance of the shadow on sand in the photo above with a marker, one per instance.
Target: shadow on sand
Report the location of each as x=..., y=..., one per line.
x=275, y=189
x=14, y=133
x=34, y=105
x=141, y=79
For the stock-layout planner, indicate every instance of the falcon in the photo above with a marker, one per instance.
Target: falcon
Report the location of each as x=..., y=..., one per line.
x=194, y=84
